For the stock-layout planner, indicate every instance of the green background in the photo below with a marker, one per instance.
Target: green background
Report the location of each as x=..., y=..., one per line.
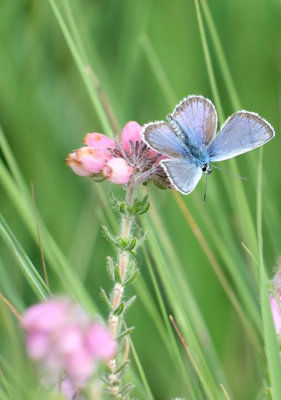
x=45, y=111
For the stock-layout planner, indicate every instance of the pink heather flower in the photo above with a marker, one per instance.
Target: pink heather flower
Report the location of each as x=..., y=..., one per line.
x=99, y=142
x=79, y=366
x=276, y=314
x=100, y=342
x=117, y=170
x=67, y=388
x=120, y=161
x=61, y=337
x=45, y=317
x=37, y=345
x=70, y=339
x=91, y=160
x=87, y=161
x=76, y=165
x=131, y=133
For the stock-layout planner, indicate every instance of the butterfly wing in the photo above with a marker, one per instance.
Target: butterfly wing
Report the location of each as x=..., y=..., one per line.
x=242, y=132
x=160, y=136
x=197, y=118
x=182, y=174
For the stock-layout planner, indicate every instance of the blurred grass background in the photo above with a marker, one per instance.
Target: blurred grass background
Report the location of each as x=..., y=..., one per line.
x=45, y=111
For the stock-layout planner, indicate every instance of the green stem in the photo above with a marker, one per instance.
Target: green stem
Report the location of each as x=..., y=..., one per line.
x=115, y=321
x=270, y=341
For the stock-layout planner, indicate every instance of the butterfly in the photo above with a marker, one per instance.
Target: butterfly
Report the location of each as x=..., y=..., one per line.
x=189, y=139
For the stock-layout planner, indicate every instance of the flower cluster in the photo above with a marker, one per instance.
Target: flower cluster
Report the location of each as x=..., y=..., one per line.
x=62, y=338
x=119, y=161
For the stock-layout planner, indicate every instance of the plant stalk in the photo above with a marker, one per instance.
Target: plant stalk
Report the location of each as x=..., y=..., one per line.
x=124, y=256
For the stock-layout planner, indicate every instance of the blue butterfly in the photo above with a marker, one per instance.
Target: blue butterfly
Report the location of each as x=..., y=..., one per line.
x=189, y=139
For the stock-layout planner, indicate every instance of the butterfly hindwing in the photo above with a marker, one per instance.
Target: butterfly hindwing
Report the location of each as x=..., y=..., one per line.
x=197, y=118
x=182, y=174
x=242, y=132
x=160, y=136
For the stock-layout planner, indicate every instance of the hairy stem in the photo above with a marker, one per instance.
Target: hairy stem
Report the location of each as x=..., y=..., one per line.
x=115, y=321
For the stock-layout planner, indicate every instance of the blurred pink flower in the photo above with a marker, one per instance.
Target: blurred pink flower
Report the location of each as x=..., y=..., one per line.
x=117, y=170
x=120, y=161
x=79, y=365
x=100, y=342
x=67, y=388
x=37, y=345
x=61, y=337
x=45, y=317
x=276, y=314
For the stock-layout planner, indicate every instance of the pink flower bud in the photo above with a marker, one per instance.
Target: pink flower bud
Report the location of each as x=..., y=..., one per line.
x=76, y=165
x=99, y=142
x=131, y=133
x=91, y=160
x=100, y=342
x=117, y=170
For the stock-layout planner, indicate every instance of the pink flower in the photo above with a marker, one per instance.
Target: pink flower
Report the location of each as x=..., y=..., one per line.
x=100, y=342
x=92, y=160
x=99, y=141
x=61, y=337
x=87, y=161
x=70, y=339
x=45, y=317
x=67, y=388
x=37, y=345
x=120, y=161
x=117, y=170
x=76, y=165
x=79, y=366
x=276, y=314
x=131, y=133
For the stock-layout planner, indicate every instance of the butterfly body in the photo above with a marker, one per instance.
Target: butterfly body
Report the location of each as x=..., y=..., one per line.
x=189, y=139
x=196, y=154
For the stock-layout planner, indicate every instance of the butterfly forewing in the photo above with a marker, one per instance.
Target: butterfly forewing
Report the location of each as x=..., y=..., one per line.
x=182, y=174
x=242, y=132
x=161, y=137
x=197, y=118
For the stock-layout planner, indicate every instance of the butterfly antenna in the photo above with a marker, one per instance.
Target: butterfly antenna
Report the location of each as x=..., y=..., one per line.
x=205, y=189
x=229, y=172
x=39, y=236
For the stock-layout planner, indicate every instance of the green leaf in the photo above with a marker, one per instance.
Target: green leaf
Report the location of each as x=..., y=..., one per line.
x=132, y=278
x=130, y=302
x=111, y=238
x=126, y=389
x=125, y=333
x=119, y=310
x=117, y=275
x=105, y=298
x=122, y=367
x=30, y=272
x=110, y=267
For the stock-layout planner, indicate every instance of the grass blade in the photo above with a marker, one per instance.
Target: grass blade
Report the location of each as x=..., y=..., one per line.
x=271, y=347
